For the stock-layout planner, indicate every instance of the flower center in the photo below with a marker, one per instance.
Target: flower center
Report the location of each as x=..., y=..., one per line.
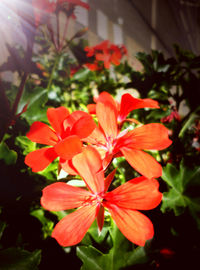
x=93, y=199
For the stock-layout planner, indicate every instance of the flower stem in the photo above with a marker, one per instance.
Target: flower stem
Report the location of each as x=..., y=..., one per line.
x=14, y=107
x=64, y=33
x=19, y=94
x=187, y=124
x=113, y=250
x=53, y=71
x=58, y=30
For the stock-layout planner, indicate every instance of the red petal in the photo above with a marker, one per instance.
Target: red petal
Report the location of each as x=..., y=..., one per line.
x=142, y=162
x=129, y=103
x=56, y=117
x=116, y=56
x=105, y=97
x=107, y=117
x=89, y=50
x=72, y=228
x=41, y=133
x=68, y=167
x=134, y=225
x=68, y=147
x=107, y=158
x=73, y=118
x=102, y=46
x=96, y=137
x=41, y=7
x=105, y=58
x=83, y=127
x=139, y=193
x=106, y=64
x=92, y=67
x=91, y=108
x=38, y=160
x=109, y=179
x=60, y=196
x=150, y=136
x=89, y=166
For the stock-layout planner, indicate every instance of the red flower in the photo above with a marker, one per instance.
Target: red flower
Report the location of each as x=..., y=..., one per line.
x=105, y=53
x=45, y=7
x=41, y=9
x=128, y=103
x=112, y=143
x=167, y=253
x=122, y=203
x=99, y=47
x=64, y=139
x=173, y=115
x=93, y=66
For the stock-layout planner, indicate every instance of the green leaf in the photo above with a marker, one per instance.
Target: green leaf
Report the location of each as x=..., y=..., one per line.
x=156, y=114
x=47, y=224
x=121, y=254
x=25, y=144
x=102, y=238
x=183, y=185
x=9, y=156
x=36, y=100
x=18, y=259
x=81, y=75
x=92, y=258
x=28, y=146
x=139, y=256
x=60, y=214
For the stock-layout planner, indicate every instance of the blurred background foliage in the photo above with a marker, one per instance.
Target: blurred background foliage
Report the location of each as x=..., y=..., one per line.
x=54, y=78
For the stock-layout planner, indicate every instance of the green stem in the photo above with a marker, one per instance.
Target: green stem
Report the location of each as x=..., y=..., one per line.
x=112, y=252
x=187, y=124
x=64, y=34
x=58, y=30
x=19, y=94
x=14, y=107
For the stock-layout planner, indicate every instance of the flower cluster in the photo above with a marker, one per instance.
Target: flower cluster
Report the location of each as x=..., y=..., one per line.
x=105, y=54
x=173, y=115
x=43, y=8
x=48, y=12
x=65, y=138
x=86, y=149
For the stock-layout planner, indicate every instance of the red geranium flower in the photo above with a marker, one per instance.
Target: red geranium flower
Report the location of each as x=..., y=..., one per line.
x=173, y=115
x=105, y=53
x=64, y=139
x=128, y=103
x=112, y=142
x=43, y=7
x=93, y=66
x=122, y=203
x=99, y=47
